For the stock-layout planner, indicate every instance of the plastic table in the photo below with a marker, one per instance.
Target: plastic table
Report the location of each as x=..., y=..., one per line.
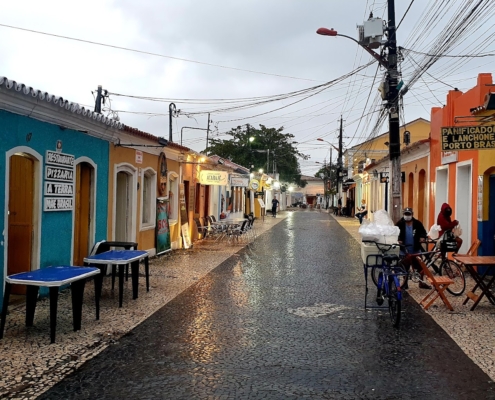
x=53, y=278
x=120, y=258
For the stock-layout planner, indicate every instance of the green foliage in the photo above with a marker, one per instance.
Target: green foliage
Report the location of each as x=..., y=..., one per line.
x=283, y=155
x=330, y=174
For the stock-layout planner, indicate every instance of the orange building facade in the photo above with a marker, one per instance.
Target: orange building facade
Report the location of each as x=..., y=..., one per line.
x=462, y=169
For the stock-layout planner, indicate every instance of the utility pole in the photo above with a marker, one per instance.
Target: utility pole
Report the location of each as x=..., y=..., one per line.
x=207, y=132
x=339, y=162
x=393, y=116
x=98, y=100
x=171, y=110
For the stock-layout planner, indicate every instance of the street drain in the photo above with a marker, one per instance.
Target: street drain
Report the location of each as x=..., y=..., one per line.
x=318, y=310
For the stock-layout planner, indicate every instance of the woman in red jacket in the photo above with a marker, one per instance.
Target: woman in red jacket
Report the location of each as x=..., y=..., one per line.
x=446, y=223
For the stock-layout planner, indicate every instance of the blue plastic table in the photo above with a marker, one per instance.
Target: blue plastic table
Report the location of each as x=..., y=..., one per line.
x=52, y=277
x=120, y=258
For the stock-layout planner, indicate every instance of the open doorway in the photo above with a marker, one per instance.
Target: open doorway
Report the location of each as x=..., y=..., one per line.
x=83, y=212
x=464, y=202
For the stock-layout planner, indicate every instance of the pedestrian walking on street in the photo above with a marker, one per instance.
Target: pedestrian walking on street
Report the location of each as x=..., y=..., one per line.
x=274, y=207
x=362, y=211
x=339, y=206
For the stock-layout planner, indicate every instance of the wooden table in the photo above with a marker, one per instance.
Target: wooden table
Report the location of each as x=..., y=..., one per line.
x=53, y=278
x=470, y=262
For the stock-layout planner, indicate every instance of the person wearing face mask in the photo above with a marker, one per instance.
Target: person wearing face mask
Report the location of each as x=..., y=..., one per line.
x=412, y=233
x=446, y=224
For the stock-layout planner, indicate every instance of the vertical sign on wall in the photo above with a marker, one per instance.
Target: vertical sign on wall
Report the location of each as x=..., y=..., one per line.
x=480, y=198
x=162, y=227
x=59, y=182
x=184, y=222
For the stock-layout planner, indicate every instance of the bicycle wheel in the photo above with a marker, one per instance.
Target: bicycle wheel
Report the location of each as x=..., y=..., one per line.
x=453, y=271
x=375, y=271
x=394, y=300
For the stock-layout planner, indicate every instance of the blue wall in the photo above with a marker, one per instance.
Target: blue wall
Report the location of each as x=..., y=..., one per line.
x=56, y=226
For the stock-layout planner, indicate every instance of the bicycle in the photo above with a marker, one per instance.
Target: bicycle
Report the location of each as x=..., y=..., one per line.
x=389, y=279
x=438, y=261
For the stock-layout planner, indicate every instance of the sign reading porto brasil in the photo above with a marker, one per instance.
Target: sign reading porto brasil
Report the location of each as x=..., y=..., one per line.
x=455, y=138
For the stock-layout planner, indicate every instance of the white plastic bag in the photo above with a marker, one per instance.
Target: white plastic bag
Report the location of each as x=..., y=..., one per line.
x=434, y=231
x=457, y=231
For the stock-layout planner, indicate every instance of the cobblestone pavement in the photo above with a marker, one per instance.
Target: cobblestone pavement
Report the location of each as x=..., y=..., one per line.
x=281, y=319
x=29, y=364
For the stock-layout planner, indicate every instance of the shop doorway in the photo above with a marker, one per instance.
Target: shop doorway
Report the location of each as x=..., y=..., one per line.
x=442, y=185
x=20, y=216
x=463, y=204
x=123, y=208
x=83, y=210
x=488, y=246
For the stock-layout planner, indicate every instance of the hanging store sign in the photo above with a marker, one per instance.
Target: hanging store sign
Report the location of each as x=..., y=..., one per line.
x=239, y=180
x=219, y=178
x=479, y=137
x=254, y=184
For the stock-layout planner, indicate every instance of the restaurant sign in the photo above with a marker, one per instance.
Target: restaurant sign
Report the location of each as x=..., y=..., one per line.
x=239, y=180
x=213, y=178
x=455, y=138
x=59, y=182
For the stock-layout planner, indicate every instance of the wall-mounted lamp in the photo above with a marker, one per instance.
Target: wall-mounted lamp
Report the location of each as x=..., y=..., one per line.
x=386, y=144
x=375, y=173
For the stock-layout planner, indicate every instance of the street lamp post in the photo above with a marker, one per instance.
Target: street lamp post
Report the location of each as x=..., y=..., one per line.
x=392, y=96
x=339, y=166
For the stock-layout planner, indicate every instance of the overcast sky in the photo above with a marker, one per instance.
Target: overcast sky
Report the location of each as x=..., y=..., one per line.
x=225, y=39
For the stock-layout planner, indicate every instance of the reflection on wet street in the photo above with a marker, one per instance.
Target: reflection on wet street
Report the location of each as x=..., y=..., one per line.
x=282, y=319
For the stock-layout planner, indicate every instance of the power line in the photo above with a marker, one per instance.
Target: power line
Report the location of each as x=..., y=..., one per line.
x=154, y=54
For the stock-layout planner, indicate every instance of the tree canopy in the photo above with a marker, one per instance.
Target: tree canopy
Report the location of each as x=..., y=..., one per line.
x=269, y=146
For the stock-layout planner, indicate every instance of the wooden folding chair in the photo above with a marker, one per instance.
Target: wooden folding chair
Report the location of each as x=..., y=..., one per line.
x=438, y=284
x=473, y=251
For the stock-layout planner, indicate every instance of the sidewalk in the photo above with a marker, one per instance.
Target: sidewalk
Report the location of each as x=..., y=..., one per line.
x=30, y=365
x=473, y=331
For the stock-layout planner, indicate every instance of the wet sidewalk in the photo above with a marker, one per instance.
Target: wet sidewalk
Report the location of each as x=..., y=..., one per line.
x=30, y=365
x=473, y=331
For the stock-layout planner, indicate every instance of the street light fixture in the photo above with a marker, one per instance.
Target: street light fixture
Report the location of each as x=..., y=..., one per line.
x=392, y=94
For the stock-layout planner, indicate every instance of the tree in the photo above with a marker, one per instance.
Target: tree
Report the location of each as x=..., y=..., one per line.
x=270, y=146
x=329, y=174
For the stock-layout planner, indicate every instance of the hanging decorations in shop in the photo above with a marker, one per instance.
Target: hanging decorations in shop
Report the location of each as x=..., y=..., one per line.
x=162, y=175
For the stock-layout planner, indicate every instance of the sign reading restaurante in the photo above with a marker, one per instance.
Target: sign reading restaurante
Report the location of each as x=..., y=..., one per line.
x=479, y=137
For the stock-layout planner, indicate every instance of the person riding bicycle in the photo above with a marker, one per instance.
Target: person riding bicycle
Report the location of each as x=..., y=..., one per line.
x=412, y=233
x=446, y=224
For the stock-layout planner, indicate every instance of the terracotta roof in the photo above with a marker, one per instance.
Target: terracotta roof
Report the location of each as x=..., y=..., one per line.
x=64, y=104
x=230, y=164
x=145, y=135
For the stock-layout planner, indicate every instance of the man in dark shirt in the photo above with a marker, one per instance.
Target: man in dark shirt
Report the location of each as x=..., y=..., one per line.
x=412, y=233
x=274, y=207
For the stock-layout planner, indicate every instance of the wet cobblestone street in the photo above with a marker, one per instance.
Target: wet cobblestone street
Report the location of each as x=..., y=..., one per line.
x=282, y=319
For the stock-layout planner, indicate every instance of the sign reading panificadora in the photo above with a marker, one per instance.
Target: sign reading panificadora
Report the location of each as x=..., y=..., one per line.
x=479, y=137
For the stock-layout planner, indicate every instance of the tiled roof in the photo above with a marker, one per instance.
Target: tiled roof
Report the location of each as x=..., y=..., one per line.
x=57, y=100
x=75, y=108
x=231, y=164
